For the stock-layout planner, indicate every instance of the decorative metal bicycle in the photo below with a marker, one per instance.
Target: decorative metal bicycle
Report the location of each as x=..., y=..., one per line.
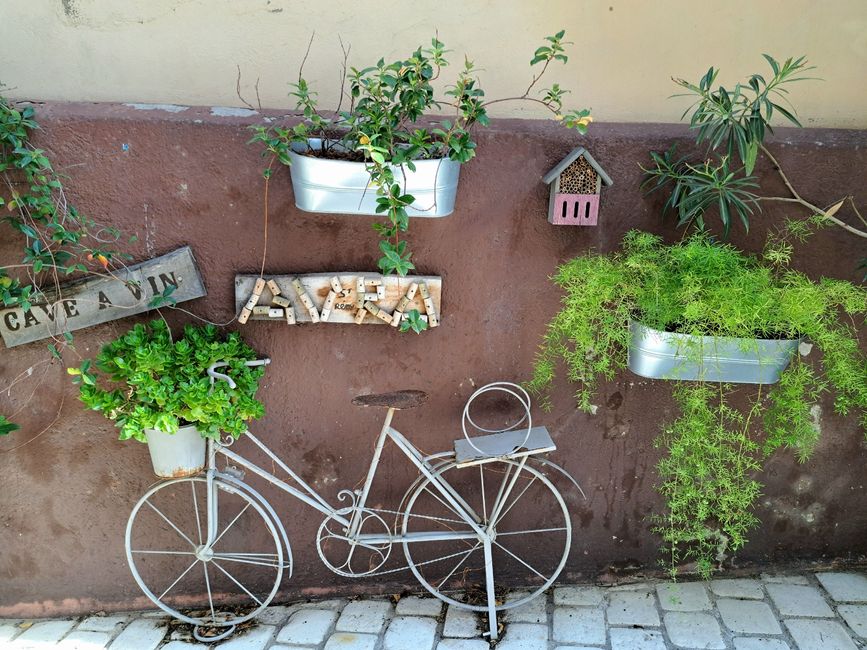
x=472, y=517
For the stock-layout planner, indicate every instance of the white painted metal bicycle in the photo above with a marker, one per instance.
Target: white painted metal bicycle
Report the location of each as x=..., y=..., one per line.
x=486, y=512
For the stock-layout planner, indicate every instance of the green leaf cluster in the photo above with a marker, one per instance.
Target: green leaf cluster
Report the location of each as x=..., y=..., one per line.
x=380, y=127
x=732, y=123
x=57, y=240
x=154, y=382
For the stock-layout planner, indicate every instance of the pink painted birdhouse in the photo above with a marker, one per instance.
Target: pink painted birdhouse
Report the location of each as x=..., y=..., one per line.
x=575, y=185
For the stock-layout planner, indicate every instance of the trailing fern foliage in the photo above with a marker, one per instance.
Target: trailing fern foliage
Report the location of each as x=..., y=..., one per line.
x=702, y=287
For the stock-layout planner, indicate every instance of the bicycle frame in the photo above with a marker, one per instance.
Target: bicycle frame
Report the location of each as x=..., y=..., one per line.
x=312, y=498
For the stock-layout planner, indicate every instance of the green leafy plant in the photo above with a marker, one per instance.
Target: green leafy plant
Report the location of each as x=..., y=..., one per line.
x=413, y=322
x=702, y=287
x=381, y=129
x=57, y=241
x=732, y=124
x=154, y=382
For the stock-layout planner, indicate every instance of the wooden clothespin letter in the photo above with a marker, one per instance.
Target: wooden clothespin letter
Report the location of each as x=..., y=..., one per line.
x=329, y=305
x=433, y=321
x=410, y=294
x=261, y=310
x=275, y=312
x=305, y=300
x=336, y=287
x=253, y=301
x=381, y=314
x=281, y=301
x=359, y=291
x=359, y=316
x=274, y=288
x=290, y=315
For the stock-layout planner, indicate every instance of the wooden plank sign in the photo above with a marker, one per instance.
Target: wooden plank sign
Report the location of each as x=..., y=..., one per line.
x=98, y=300
x=384, y=291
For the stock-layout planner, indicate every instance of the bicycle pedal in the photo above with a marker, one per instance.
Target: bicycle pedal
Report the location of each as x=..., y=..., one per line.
x=236, y=473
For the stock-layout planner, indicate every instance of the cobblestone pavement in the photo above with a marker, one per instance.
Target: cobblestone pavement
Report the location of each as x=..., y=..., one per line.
x=803, y=611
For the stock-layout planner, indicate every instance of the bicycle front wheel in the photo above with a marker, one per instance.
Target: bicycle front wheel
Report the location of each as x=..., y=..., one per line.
x=528, y=518
x=165, y=548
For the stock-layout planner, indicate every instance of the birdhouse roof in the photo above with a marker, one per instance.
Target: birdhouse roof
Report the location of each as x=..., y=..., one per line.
x=572, y=157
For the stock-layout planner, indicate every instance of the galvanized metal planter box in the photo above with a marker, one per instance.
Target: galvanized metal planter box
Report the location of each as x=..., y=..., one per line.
x=343, y=187
x=668, y=355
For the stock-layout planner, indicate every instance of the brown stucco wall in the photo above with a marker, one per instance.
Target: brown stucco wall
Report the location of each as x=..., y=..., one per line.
x=189, y=178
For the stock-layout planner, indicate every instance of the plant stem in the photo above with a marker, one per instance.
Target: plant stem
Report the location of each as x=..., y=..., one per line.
x=799, y=200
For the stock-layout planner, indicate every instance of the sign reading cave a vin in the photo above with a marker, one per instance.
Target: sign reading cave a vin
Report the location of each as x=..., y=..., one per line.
x=127, y=292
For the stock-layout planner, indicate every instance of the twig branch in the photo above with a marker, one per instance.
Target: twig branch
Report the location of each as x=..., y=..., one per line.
x=238, y=90
x=800, y=201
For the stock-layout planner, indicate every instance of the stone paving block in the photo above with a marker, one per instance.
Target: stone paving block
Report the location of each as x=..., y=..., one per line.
x=410, y=633
x=45, y=632
x=534, y=611
x=276, y=614
x=366, y=616
x=460, y=623
x=527, y=632
x=416, y=606
x=141, y=634
x=856, y=617
x=257, y=638
x=748, y=616
x=845, y=587
x=575, y=647
x=579, y=625
x=624, y=638
x=108, y=624
x=580, y=596
x=633, y=608
x=307, y=626
x=463, y=644
x=84, y=640
x=190, y=645
x=332, y=603
x=737, y=588
x=783, y=579
x=522, y=644
x=799, y=600
x=819, y=635
x=760, y=643
x=694, y=630
x=9, y=628
x=683, y=596
x=351, y=641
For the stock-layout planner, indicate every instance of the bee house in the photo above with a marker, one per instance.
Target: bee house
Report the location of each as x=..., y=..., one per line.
x=575, y=185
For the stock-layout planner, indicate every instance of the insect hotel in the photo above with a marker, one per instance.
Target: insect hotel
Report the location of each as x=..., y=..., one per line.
x=575, y=185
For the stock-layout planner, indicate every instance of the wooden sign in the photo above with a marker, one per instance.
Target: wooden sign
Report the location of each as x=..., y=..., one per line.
x=343, y=297
x=98, y=300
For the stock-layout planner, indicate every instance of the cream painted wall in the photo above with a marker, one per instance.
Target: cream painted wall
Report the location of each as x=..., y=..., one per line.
x=187, y=51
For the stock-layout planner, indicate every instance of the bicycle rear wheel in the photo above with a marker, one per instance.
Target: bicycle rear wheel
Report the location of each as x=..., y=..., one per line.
x=232, y=581
x=532, y=533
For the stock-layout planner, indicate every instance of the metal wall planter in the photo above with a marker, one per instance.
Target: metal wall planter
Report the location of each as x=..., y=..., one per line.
x=175, y=455
x=343, y=187
x=667, y=355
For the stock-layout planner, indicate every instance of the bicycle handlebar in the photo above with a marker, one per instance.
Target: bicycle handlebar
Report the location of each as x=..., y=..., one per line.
x=213, y=374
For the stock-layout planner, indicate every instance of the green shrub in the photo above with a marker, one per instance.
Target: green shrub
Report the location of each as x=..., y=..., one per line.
x=155, y=382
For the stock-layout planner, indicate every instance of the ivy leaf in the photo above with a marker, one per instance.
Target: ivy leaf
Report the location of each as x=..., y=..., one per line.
x=7, y=427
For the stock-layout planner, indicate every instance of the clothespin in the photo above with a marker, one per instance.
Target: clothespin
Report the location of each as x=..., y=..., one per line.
x=359, y=315
x=329, y=304
x=376, y=311
x=252, y=301
x=433, y=321
x=359, y=291
x=305, y=300
x=281, y=301
x=290, y=315
x=274, y=287
x=261, y=310
x=403, y=303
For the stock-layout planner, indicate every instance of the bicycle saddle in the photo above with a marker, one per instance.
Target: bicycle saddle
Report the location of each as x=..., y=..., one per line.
x=399, y=400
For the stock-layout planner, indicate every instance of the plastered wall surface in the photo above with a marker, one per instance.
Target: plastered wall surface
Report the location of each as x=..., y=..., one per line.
x=67, y=484
x=623, y=54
